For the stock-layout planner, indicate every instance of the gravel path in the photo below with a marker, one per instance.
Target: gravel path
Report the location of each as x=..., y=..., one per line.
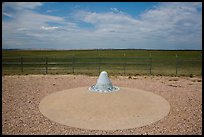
x=21, y=96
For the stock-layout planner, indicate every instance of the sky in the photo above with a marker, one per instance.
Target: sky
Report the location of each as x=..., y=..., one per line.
x=101, y=25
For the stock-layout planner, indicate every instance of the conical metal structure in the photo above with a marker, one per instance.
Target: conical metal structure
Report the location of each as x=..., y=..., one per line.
x=103, y=84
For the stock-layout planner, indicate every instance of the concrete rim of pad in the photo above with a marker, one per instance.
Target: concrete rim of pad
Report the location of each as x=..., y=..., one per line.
x=124, y=109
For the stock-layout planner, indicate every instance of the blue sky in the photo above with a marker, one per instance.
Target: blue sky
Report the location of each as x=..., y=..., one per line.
x=96, y=25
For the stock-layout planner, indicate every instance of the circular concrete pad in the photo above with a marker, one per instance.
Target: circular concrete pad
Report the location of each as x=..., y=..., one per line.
x=123, y=109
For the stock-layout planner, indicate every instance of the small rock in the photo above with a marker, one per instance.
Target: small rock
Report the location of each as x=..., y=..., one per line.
x=134, y=78
x=173, y=85
x=199, y=80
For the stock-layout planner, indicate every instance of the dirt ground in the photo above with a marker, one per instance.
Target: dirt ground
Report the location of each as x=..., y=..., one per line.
x=21, y=96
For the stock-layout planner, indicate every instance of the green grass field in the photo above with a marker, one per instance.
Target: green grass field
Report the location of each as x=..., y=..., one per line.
x=123, y=62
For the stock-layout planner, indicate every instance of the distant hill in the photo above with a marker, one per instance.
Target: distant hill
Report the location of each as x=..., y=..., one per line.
x=106, y=49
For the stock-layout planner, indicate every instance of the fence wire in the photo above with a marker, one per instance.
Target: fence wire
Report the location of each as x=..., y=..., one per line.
x=91, y=65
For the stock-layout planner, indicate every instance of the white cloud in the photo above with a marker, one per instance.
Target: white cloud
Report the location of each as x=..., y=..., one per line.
x=6, y=14
x=104, y=18
x=32, y=21
x=50, y=11
x=173, y=19
x=48, y=28
x=21, y=29
x=115, y=10
x=22, y=5
x=167, y=26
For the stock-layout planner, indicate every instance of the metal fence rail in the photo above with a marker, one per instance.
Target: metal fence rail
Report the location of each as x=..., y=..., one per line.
x=147, y=65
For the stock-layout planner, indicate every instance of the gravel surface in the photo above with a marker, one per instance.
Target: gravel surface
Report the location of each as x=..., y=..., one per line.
x=21, y=96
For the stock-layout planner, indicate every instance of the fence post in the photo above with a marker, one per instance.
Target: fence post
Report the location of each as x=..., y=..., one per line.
x=46, y=64
x=73, y=64
x=21, y=64
x=176, y=64
x=99, y=64
x=124, y=65
x=150, y=64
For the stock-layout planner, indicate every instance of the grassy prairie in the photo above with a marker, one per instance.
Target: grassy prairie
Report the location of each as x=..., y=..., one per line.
x=93, y=61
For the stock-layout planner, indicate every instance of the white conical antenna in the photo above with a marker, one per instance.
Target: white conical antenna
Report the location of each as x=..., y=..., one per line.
x=103, y=84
